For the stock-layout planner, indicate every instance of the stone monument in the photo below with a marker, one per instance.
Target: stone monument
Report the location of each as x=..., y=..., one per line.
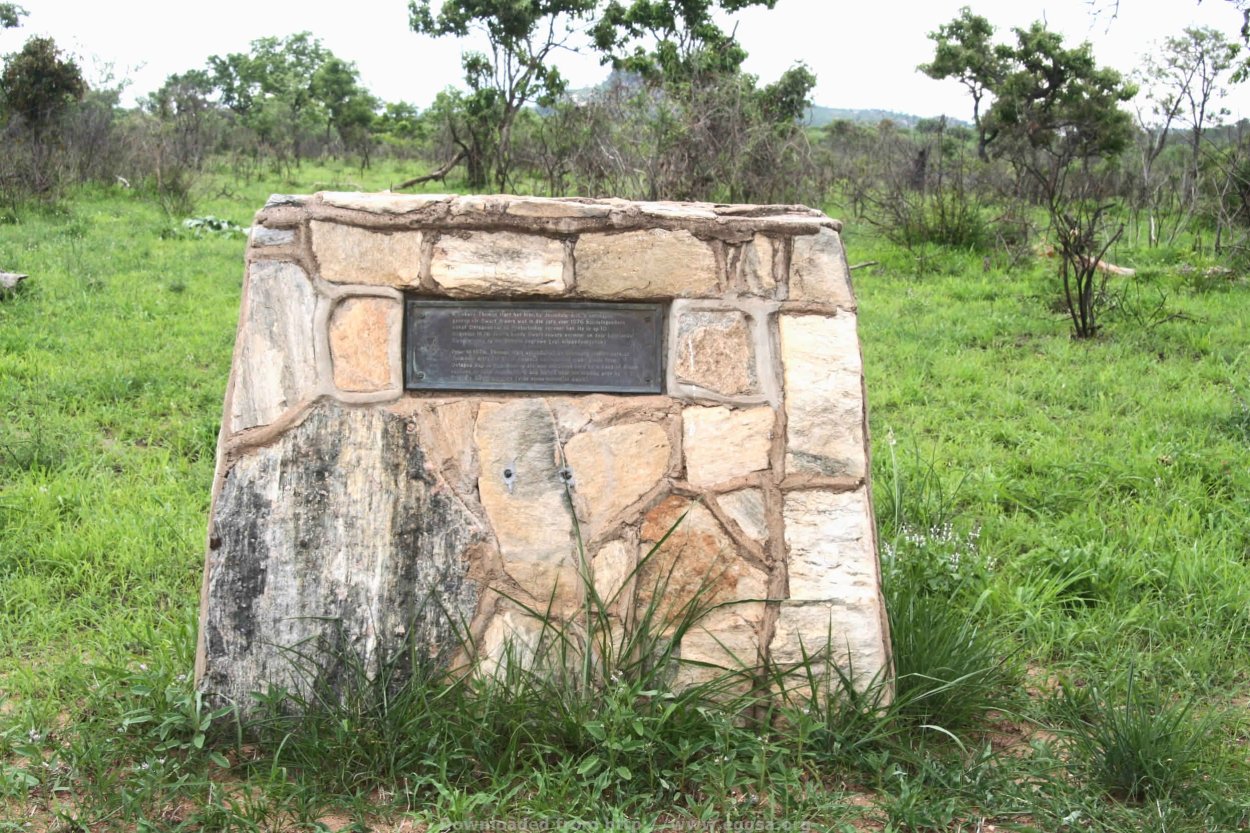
x=435, y=399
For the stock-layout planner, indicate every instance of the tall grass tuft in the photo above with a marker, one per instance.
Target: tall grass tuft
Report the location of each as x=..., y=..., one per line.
x=1142, y=746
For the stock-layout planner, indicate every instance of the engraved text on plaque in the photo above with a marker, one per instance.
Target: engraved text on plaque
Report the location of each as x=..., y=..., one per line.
x=533, y=346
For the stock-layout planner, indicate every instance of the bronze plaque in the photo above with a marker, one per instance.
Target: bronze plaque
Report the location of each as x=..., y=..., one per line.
x=533, y=346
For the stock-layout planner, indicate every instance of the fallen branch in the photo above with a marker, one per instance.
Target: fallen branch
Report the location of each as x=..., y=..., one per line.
x=439, y=174
x=865, y=264
x=1100, y=265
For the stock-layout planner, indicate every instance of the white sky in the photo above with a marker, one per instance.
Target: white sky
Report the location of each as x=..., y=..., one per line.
x=864, y=54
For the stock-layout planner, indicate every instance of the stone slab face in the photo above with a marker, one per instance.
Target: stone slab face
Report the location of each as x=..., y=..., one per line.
x=352, y=516
x=503, y=263
x=823, y=380
x=364, y=332
x=275, y=365
x=656, y=263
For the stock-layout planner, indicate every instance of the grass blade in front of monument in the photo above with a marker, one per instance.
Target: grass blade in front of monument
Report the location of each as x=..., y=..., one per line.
x=589, y=704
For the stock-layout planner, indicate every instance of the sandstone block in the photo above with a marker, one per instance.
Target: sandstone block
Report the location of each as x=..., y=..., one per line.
x=724, y=641
x=504, y=262
x=383, y=203
x=745, y=507
x=655, y=263
x=723, y=443
x=364, y=343
x=512, y=640
x=334, y=537
x=613, y=467
x=829, y=546
x=520, y=484
x=823, y=395
x=757, y=265
x=715, y=351
x=851, y=635
x=611, y=570
x=555, y=209
x=555, y=589
x=275, y=368
x=699, y=564
x=818, y=270
x=347, y=254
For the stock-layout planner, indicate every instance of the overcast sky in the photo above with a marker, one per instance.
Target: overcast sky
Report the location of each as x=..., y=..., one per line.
x=864, y=54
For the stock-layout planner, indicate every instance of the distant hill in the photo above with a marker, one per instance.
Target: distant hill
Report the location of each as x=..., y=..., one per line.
x=818, y=116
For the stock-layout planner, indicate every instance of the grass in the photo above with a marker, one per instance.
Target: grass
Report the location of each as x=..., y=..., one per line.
x=1056, y=513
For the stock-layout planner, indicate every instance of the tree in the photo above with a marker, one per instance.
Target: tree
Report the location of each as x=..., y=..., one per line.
x=40, y=82
x=1054, y=117
x=672, y=39
x=11, y=15
x=293, y=87
x=522, y=35
x=1182, y=80
x=965, y=52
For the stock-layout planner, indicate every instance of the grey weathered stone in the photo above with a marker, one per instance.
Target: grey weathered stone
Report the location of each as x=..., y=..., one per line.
x=503, y=262
x=715, y=351
x=723, y=443
x=745, y=507
x=262, y=236
x=275, y=368
x=655, y=263
x=818, y=270
x=830, y=553
x=10, y=280
x=333, y=540
x=347, y=254
x=823, y=395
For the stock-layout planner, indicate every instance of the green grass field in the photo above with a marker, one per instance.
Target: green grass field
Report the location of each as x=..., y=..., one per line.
x=1068, y=529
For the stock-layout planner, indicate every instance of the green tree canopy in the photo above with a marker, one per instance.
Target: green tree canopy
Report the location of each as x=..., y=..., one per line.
x=40, y=81
x=11, y=15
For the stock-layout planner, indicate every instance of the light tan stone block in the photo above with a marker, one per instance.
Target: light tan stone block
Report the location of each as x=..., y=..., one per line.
x=276, y=366
x=382, y=203
x=347, y=254
x=715, y=351
x=723, y=443
x=503, y=262
x=655, y=263
x=823, y=395
x=511, y=640
x=757, y=266
x=611, y=569
x=830, y=555
x=849, y=634
x=818, y=270
x=551, y=588
x=555, y=209
x=613, y=467
x=519, y=482
x=746, y=508
x=362, y=334
x=724, y=641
